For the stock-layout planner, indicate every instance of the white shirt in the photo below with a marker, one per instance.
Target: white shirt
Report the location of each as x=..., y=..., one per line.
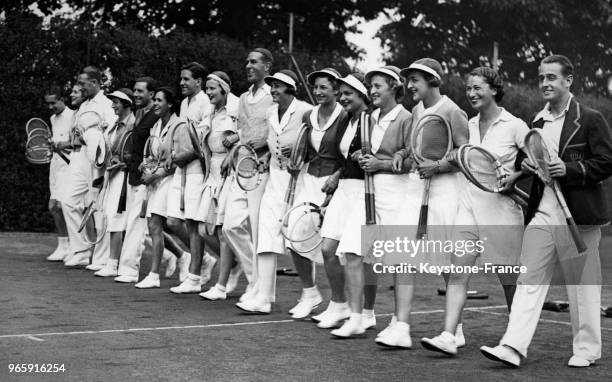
x=504, y=137
x=261, y=92
x=347, y=138
x=101, y=105
x=317, y=133
x=551, y=130
x=195, y=109
x=380, y=126
x=61, y=124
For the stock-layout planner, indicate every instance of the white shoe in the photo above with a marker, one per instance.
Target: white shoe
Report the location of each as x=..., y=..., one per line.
x=501, y=353
x=151, y=281
x=576, y=361
x=389, y=327
x=459, y=337
x=58, y=255
x=368, y=322
x=170, y=260
x=183, y=265
x=78, y=260
x=234, y=277
x=398, y=336
x=249, y=294
x=107, y=271
x=214, y=294
x=94, y=267
x=190, y=285
x=334, y=319
x=208, y=263
x=126, y=279
x=255, y=306
x=351, y=328
x=68, y=257
x=306, y=305
x=443, y=343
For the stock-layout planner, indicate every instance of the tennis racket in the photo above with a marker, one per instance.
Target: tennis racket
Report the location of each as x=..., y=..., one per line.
x=39, y=144
x=296, y=161
x=94, y=225
x=484, y=169
x=92, y=120
x=366, y=148
x=303, y=234
x=183, y=169
x=538, y=154
x=247, y=168
x=151, y=162
x=122, y=153
x=431, y=139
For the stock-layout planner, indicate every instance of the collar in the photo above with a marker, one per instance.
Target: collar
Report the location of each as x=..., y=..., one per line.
x=315, y=114
x=433, y=108
x=147, y=108
x=98, y=97
x=198, y=96
x=279, y=126
x=504, y=116
x=546, y=114
x=265, y=87
x=390, y=116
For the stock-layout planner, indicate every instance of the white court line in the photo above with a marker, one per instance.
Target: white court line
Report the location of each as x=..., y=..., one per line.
x=541, y=319
x=36, y=336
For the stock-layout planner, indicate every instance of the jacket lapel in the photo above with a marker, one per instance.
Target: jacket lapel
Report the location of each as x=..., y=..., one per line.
x=571, y=125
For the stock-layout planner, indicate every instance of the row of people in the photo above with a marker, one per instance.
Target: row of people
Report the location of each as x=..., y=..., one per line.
x=195, y=209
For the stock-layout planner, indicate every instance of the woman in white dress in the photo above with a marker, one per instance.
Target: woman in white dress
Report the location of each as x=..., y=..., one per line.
x=483, y=214
x=165, y=106
x=284, y=122
x=423, y=79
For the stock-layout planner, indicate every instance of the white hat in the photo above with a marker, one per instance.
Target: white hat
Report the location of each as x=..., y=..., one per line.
x=124, y=94
x=283, y=76
x=331, y=72
x=389, y=70
x=353, y=82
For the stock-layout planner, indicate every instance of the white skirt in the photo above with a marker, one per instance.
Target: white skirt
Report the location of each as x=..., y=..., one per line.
x=208, y=211
x=116, y=221
x=345, y=200
x=271, y=211
x=194, y=186
x=158, y=197
x=308, y=191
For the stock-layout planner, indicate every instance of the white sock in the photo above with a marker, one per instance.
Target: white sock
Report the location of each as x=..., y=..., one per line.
x=154, y=276
x=112, y=263
x=459, y=330
x=310, y=292
x=355, y=317
x=403, y=326
x=220, y=287
x=340, y=306
x=368, y=313
x=194, y=278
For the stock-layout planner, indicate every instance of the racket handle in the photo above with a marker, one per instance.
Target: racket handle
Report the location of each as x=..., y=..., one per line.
x=143, y=207
x=580, y=244
x=183, y=184
x=370, y=213
x=422, y=228
x=61, y=155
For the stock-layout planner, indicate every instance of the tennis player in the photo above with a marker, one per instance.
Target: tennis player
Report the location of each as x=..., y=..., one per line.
x=318, y=181
x=502, y=134
x=195, y=107
x=83, y=170
x=214, y=128
x=284, y=120
x=346, y=210
x=580, y=146
x=159, y=182
x=114, y=206
x=240, y=223
x=61, y=121
x=390, y=137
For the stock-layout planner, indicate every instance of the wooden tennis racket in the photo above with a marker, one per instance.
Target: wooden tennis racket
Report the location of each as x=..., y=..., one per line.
x=366, y=148
x=39, y=144
x=94, y=224
x=431, y=139
x=151, y=162
x=538, y=154
x=248, y=170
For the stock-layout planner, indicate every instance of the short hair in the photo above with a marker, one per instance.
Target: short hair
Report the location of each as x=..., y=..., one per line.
x=150, y=81
x=56, y=91
x=397, y=87
x=93, y=73
x=491, y=77
x=171, y=98
x=224, y=77
x=567, y=68
x=197, y=70
x=361, y=77
x=267, y=55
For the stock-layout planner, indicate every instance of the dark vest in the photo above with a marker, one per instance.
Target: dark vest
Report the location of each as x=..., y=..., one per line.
x=140, y=133
x=328, y=159
x=350, y=168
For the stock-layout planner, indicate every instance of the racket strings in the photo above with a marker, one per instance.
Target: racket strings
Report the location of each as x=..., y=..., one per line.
x=432, y=140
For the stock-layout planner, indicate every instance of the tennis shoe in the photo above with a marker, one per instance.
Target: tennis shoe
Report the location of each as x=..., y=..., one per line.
x=352, y=327
x=398, y=336
x=59, y=254
x=443, y=343
x=78, y=260
x=190, y=285
x=151, y=281
x=255, y=306
x=126, y=279
x=214, y=294
x=335, y=318
x=368, y=321
x=208, y=263
x=306, y=305
x=249, y=294
x=503, y=354
x=170, y=260
x=183, y=265
x=576, y=361
x=389, y=327
x=108, y=271
x=234, y=277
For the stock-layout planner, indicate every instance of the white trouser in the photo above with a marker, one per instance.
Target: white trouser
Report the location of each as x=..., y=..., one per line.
x=136, y=229
x=240, y=225
x=542, y=247
x=77, y=188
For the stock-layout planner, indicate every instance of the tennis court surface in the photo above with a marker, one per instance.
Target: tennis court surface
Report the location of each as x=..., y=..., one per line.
x=101, y=330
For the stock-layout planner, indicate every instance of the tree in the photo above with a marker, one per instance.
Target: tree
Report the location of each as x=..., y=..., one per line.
x=461, y=34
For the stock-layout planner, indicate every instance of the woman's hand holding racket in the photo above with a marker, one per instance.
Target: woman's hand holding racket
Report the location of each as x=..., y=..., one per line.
x=397, y=163
x=286, y=150
x=428, y=168
x=527, y=167
x=331, y=184
x=556, y=167
x=148, y=177
x=229, y=141
x=369, y=163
